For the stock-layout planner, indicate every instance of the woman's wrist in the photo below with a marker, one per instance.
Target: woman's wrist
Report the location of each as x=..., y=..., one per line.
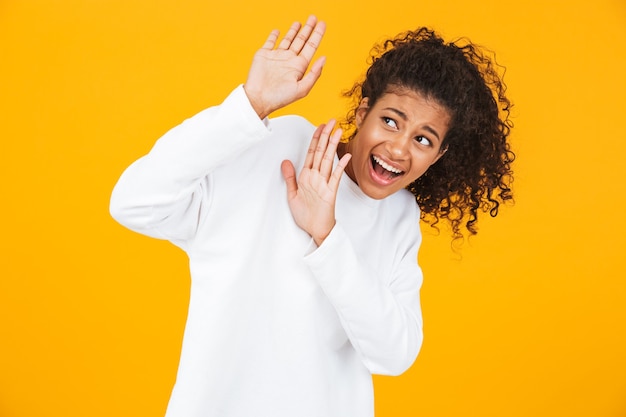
x=259, y=107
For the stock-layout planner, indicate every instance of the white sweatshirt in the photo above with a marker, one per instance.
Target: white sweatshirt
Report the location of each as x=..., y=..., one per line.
x=276, y=325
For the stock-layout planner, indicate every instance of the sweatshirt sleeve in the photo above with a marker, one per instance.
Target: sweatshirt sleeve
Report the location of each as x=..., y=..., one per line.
x=164, y=193
x=381, y=318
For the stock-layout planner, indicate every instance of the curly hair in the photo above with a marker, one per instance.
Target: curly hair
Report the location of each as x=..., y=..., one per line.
x=475, y=172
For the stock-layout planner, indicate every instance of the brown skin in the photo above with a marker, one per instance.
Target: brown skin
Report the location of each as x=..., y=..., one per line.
x=404, y=132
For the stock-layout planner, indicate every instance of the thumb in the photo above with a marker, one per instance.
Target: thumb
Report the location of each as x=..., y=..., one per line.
x=311, y=77
x=289, y=173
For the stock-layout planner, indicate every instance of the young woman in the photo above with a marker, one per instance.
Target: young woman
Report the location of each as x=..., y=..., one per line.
x=303, y=248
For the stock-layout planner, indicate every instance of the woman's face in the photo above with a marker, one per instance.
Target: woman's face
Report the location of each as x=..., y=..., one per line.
x=397, y=140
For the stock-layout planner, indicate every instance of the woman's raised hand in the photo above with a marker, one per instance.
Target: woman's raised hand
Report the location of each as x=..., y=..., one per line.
x=278, y=74
x=313, y=193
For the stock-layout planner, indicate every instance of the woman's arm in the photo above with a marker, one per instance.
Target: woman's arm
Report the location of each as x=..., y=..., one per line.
x=163, y=193
x=381, y=316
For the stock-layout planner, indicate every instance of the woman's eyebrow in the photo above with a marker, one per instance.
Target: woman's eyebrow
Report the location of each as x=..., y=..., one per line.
x=404, y=117
x=433, y=131
x=398, y=112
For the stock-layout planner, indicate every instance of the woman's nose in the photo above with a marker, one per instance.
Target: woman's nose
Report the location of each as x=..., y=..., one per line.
x=397, y=146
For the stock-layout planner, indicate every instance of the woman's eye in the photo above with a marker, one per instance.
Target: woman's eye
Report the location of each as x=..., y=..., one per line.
x=423, y=140
x=390, y=122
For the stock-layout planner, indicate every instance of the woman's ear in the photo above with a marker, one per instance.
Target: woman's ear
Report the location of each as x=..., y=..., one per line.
x=442, y=151
x=361, y=111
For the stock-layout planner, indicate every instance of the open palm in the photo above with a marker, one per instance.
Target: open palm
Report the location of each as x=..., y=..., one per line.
x=278, y=75
x=313, y=194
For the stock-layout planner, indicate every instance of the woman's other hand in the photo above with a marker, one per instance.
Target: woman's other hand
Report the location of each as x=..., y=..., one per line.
x=313, y=194
x=278, y=75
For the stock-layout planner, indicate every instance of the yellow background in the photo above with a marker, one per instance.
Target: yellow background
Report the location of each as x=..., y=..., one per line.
x=529, y=319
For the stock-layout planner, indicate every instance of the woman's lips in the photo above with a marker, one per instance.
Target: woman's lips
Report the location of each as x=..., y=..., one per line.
x=381, y=172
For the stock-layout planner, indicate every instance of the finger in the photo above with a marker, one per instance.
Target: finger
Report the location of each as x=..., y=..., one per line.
x=303, y=35
x=329, y=155
x=270, y=42
x=289, y=174
x=289, y=36
x=322, y=144
x=308, y=161
x=335, y=178
x=310, y=78
x=313, y=42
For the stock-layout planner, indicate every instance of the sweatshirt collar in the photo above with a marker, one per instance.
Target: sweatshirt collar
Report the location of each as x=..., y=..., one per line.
x=357, y=193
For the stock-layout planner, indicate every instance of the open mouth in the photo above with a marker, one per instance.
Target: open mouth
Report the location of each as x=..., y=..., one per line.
x=384, y=170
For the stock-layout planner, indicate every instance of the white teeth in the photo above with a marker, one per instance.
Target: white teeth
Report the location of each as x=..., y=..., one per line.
x=386, y=166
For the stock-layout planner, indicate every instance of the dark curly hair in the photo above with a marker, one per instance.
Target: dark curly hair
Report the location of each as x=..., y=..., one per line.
x=475, y=172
